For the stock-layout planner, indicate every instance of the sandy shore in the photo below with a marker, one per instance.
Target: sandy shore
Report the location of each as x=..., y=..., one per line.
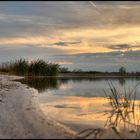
x=22, y=118
x=20, y=115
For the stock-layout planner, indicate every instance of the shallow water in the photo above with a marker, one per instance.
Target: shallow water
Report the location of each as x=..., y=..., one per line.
x=78, y=102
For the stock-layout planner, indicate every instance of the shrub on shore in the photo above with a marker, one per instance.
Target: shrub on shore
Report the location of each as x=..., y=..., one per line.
x=35, y=68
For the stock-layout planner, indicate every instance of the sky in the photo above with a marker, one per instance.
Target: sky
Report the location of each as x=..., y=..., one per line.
x=87, y=35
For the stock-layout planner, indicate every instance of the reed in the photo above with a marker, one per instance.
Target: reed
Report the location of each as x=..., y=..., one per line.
x=121, y=100
x=122, y=110
x=22, y=67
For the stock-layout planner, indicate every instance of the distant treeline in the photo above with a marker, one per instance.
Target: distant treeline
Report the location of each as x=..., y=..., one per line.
x=34, y=68
x=66, y=70
x=121, y=70
x=23, y=67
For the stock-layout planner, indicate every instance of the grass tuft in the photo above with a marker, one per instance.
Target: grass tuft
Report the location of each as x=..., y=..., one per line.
x=22, y=67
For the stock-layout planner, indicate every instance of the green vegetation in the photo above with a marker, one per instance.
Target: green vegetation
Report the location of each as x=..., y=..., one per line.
x=41, y=68
x=22, y=67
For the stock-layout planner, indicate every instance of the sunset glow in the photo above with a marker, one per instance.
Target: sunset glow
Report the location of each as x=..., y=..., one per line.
x=63, y=28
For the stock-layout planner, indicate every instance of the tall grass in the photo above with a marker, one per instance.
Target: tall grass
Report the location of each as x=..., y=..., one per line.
x=123, y=111
x=20, y=67
x=34, y=68
x=118, y=100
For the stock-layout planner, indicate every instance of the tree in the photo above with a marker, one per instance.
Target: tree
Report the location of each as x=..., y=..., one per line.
x=122, y=70
x=63, y=69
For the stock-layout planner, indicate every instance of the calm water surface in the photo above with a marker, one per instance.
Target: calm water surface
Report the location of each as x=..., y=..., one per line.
x=77, y=102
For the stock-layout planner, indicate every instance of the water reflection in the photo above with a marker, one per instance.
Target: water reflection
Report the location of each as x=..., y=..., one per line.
x=121, y=81
x=122, y=115
x=125, y=120
x=41, y=84
x=123, y=123
x=79, y=103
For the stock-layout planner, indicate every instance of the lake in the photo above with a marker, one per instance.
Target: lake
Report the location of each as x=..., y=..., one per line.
x=79, y=103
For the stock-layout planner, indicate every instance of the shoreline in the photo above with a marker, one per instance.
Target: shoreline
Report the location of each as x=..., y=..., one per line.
x=91, y=75
x=83, y=75
x=21, y=116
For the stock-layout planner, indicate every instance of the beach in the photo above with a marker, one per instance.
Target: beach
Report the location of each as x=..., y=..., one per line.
x=21, y=116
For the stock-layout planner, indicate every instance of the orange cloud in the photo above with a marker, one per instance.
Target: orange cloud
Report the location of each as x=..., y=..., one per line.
x=63, y=62
x=92, y=40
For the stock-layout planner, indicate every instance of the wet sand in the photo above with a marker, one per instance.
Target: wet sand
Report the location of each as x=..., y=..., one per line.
x=21, y=117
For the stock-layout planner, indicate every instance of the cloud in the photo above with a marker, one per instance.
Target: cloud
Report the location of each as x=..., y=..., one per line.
x=123, y=47
x=59, y=19
x=70, y=13
x=50, y=28
x=65, y=43
x=63, y=62
x=118, y=3
x=110, y=61
x=119, y=47
x=8, y=53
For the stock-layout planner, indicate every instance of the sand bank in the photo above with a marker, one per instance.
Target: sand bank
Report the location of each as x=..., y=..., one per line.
x=20, y=115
